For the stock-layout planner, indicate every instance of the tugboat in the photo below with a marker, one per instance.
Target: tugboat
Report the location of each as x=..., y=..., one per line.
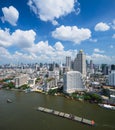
x=9, y=101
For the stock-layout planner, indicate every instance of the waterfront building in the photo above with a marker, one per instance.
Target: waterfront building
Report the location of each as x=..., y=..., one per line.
x=68, y=62
x=31, y=82
x=50, y=84
x=80, y=63
x=21, y=80
x=73, y=81
x=112, y=78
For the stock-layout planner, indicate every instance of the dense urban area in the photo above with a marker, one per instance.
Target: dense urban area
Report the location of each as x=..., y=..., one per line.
x=76, y=79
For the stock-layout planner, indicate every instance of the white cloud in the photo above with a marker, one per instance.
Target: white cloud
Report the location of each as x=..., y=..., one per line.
x=52, y=54
x=99, y=58
x=113, y=36
x=23, y=39
x=20, y=38
x=46, y=52
x=71, y=33
x=5, y=38
x=52, y=9
x=98, y=50
x=102, y=27
x=11, y=15
x=40, y=52
x=59, y=46
x=5, y=56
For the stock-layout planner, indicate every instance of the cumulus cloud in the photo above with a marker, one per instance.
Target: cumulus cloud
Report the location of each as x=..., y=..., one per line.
x=23, y=39
x=98, y=50
x=40, y=52
x=5, y=38
x=52, y=9
x=20, y=38
x=59, y=46
x=102, y=27
x=11, y=15
x=99, y=58
x=71, y=33
x=45, y=52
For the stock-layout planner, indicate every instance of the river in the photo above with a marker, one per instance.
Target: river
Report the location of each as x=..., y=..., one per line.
x=21, y=114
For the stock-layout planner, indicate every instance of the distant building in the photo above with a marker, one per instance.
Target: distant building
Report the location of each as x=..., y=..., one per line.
x=54, y=74
x=112, y=78
x=68, y=62
x=112, y=67
x=105, y=69
x=50, y=84
x=73, y=82
x=31, y=82
x=21, y=80
x=80, y=63
x=91, y=67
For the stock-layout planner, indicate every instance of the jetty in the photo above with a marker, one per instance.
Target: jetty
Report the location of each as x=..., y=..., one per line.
x=66, y=115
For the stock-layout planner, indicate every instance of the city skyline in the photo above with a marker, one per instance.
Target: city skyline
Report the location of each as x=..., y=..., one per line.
x=37, y=31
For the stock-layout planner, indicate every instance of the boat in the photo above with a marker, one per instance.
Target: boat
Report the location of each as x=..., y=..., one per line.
x=9, y=101
x=67, y=116
x=108, y=106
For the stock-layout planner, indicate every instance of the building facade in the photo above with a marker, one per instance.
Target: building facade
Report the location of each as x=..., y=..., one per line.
x=112, y=78
x=73, y=82
x=80, y=63
x=68, y=62
x=21, y=80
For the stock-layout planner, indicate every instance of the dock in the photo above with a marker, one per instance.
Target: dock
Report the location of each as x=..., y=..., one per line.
x=66, y=115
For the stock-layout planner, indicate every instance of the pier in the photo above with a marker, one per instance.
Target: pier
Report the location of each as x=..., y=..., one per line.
x=66, y=115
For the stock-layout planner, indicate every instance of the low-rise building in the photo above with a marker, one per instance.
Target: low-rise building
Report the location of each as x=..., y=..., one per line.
x=21, y=80
x=50, y=84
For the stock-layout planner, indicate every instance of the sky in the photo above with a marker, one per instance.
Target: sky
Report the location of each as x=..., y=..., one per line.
x=49, y=30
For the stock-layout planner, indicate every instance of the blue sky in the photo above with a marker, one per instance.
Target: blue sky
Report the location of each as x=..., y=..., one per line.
x=49, y=30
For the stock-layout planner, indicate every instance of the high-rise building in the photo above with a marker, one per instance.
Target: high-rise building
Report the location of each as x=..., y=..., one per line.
x=112, y=67
x=73, y=82
x=112, y=78
x=80, y=63
x=91, y=67
x=68, y=62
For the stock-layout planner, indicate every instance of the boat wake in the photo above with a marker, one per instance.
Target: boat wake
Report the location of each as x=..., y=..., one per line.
x=109, y=126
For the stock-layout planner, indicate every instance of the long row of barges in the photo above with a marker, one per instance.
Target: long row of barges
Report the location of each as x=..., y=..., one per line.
x=66, y=115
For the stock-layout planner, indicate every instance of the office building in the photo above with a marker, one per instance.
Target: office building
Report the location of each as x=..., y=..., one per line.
x=68, y=62
x=80, y=63
x=112, y=78
x=73, y=82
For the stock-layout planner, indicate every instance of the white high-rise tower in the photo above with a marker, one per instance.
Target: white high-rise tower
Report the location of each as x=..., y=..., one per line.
x=80, y=63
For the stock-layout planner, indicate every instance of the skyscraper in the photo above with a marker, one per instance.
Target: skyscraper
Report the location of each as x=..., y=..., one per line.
x=91, y=67
x=68, y=62
x=112, y=78
x=73, y=82
x=80, y=63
